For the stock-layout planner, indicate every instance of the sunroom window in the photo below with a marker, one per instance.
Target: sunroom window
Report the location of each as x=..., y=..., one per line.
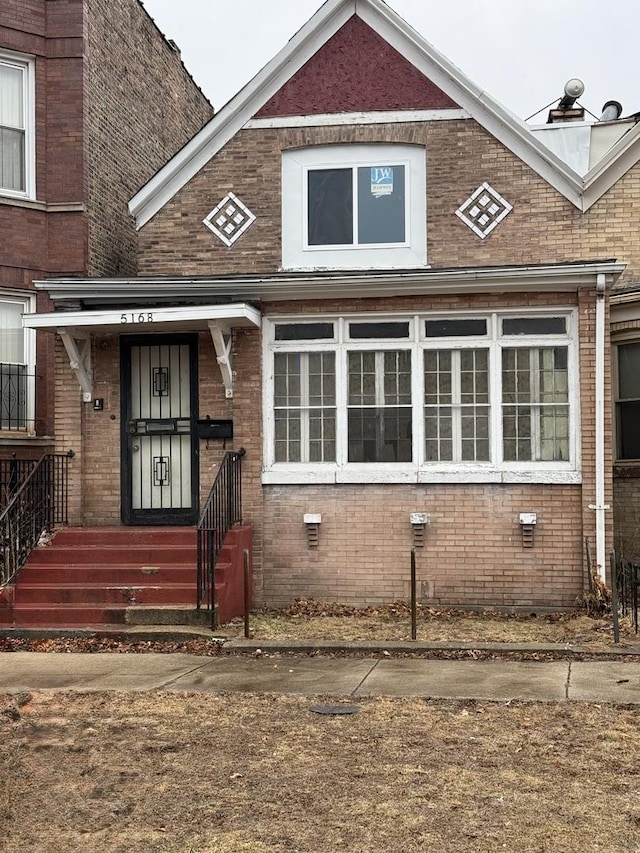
x=453, y=398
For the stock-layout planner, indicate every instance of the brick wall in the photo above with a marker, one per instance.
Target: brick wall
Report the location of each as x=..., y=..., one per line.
x=142, y=107
x=542, y=228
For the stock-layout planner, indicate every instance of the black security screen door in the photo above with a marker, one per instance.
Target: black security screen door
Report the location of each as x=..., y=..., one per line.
x=159, y=445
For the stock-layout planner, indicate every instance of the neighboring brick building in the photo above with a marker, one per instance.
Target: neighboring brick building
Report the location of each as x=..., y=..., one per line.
x=399, y=296
x=84, y=88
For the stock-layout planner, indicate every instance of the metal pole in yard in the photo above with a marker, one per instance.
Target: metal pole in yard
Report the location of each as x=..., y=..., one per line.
x=247, y=603
x=614, y=596
x=413, y=594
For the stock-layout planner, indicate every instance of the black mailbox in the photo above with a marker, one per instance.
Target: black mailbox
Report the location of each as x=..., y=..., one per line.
x=210, y=428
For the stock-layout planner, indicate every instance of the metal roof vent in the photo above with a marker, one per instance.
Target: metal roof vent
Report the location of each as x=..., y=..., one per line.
x=566, y=109
x=611, y=111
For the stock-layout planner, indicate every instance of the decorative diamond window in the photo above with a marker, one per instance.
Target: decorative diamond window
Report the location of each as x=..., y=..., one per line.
x=483, y=210
x=230, y=219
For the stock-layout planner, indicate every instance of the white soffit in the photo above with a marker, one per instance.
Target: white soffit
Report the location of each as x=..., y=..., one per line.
x=498, y=121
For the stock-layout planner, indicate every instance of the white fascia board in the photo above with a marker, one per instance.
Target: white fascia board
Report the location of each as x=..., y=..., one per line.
x=614, y=165
x=235, y=315
x=496, y=119
x=239, y=110
x=278, y=287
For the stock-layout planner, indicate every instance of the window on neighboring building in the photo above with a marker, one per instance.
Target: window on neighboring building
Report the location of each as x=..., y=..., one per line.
x=16, y=367
x=16, y=122
x=437, y=396
x=354, y=206
x=628, y=402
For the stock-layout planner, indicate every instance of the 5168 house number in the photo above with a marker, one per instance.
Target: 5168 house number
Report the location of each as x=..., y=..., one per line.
x=142, y=317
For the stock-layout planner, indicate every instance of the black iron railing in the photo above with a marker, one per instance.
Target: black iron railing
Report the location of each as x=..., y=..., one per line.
x=41, y=502
x=13, y=473
x=221, y=512
x=628, y=582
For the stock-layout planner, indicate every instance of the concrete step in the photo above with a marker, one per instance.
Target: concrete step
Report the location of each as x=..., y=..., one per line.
x=122, y=554
x=108, y=573
x=104, y=593
x=167, y=615
x=65, y=615
x=125, y=536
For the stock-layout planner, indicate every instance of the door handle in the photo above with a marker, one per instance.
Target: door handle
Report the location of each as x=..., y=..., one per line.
x=135, y=448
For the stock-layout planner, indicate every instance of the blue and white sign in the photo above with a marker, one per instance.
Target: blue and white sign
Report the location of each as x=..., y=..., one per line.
x=381, y=180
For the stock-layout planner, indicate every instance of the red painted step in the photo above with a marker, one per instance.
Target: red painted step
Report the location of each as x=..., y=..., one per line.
x=87, y=577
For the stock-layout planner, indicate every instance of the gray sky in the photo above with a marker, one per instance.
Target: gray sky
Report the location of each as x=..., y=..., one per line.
x=520, y=51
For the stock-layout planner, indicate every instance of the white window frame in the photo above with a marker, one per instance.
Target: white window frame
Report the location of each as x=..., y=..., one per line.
x=26, y=64
x=296, y=164
x=496, y=470
x=28, y=304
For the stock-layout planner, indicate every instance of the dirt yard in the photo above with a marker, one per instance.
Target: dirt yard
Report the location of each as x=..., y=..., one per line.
x=139, y=773
x=311, y=620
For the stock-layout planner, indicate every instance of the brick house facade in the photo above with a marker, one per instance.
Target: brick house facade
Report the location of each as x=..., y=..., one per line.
x=83, y=86
x=399, y=297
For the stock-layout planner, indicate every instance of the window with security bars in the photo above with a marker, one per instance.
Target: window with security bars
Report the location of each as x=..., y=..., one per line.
x=305, y=407
x=535, y=404
x=628, y=401
x=379, y=408
x=12, y=126
x=13, y=368
x=456, y=405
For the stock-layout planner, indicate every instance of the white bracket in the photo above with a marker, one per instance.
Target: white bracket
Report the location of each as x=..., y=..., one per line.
x=78, y=347
x=221, y=337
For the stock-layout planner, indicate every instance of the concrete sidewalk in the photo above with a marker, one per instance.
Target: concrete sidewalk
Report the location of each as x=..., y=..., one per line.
x=498, y=680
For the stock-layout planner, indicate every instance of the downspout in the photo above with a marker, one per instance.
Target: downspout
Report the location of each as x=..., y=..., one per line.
x=600, y=507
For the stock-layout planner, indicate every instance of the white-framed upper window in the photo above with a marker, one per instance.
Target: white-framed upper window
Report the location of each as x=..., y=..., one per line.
x=487, y=397
x=354, y=207
x=17, y=365
x=17, y=125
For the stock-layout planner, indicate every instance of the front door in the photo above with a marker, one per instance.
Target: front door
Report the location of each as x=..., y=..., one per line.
x=159, y=444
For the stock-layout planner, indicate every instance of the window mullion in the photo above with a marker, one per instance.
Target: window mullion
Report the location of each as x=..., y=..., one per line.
x=535, y=404
x=456, y=408
x=354, y=184
x=304, y=407
x=342, y=402
x=496, y=404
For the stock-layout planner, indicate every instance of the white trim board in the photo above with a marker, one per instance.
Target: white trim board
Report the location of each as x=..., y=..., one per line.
x=341, y=119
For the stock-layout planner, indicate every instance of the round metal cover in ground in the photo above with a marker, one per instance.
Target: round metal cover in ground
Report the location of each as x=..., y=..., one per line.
x=334, y=710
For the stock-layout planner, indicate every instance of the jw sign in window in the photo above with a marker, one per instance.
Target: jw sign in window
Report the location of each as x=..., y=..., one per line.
x=388, y=398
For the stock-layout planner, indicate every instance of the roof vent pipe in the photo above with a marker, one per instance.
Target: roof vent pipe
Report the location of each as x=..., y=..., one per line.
x=611, y=111
x=572, y=91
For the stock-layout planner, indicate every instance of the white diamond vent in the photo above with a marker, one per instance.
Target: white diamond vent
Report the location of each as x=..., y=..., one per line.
x=483, y=210
x=229, y=219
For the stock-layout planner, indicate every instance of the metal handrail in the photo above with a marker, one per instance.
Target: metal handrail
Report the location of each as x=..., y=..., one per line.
x=222, y=511
x=13, y=472
x=41, y=502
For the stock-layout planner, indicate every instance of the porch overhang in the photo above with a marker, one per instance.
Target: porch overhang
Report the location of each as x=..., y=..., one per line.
x=151, y=319
x=76, y=327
